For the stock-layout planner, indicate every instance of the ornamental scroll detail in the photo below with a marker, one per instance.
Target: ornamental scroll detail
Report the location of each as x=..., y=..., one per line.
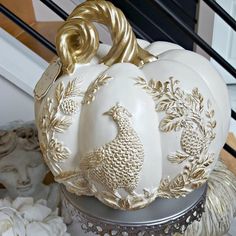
x=51, y=122
x=184, y=112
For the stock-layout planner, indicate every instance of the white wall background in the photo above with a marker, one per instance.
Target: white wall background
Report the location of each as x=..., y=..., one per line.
x=15, y=104
x=205, y=25
x=20, y=69
x=224, y=40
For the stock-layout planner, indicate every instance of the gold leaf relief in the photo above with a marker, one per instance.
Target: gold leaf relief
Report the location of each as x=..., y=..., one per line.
x=198, y=173
x=155, y=88
x=169, y=123
x=60, y=89
x=57, y=151
x=141, y=82
x=52, y=122
x=72, y=88
x=60, y=125
x=164, y=105
x=184, y=113
x=89, y=95
x=177, y=183
x=155, y=85
x=178, y=157
x=199, y=99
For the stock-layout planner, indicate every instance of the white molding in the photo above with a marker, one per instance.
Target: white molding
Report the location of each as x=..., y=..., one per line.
x=205, y=26
x=223, y=40
x=18, y=64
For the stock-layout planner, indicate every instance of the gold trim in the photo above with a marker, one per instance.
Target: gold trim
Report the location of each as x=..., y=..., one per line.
x=184, y=112
x=89, y=95
x=51, y=122
x=77, y=40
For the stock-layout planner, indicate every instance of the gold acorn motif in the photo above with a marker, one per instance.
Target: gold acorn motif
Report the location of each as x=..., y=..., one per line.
x=192, y=142
x=69, y=106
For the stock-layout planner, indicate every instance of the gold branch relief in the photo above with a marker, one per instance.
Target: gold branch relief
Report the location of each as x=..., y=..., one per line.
x=187, y=113
x=89, y=95
x=51, y=122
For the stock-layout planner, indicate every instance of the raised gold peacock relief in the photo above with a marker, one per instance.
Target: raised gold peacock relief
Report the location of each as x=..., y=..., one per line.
x=118, y=163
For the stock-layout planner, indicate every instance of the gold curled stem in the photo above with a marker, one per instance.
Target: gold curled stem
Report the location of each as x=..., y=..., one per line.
x=77, y=40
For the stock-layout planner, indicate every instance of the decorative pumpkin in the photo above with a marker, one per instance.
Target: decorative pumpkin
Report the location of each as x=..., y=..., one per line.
x=128, y=124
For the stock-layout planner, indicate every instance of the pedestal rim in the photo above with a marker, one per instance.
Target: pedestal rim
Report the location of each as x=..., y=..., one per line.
x=169, y=226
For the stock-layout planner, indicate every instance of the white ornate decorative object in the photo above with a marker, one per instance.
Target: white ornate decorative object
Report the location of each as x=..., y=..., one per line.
x=22, y=169
x=24, y=217
x=124, y=123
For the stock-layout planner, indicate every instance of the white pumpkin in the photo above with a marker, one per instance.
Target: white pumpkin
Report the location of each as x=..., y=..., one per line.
x=127, y=124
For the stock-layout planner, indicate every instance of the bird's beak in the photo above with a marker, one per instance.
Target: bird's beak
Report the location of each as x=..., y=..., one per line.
x=107, y=113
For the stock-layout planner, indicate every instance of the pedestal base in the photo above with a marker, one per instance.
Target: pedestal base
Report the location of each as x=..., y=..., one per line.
x=162, y=217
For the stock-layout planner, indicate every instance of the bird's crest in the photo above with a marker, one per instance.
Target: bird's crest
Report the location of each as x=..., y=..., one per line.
x=118, y=110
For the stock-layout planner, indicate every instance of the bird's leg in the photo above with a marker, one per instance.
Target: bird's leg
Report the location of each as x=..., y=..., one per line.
x=116, y=193
x=131, y=191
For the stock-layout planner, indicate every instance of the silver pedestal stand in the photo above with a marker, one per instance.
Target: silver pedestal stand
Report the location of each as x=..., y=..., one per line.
x=162, y=217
